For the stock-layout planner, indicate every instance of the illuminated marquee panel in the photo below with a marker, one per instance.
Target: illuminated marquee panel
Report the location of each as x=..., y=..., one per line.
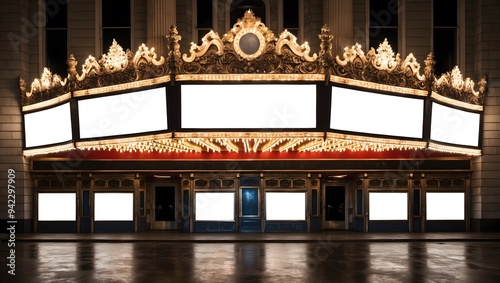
x=454, y=126
x=285, y=206
x=49, y=126
x=114, y=207
x=253, y=106
x=56, y=206
x=388, y=206
x=373, y=113
x=130, y=113
x=214, y=206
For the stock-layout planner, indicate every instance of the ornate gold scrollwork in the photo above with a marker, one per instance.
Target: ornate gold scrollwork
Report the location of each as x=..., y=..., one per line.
x=250, y=51
x=147, y=65
x=452, y=85
x=384, y=59
x=380, y=66
x=211, y=38
x=47, y=87
x=249, y=48
x=116, y=59
x=287, y=38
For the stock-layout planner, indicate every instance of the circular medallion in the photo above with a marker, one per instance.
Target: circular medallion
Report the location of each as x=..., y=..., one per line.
x=249, y=44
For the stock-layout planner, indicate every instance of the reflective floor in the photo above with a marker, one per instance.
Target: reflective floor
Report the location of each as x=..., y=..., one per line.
x=322, y=261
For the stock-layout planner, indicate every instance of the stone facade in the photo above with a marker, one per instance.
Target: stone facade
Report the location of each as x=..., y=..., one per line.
x=486, y=58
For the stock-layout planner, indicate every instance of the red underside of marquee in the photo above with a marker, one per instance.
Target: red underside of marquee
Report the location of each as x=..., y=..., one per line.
x=358, y=155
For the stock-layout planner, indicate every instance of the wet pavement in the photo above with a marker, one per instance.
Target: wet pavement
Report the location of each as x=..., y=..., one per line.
x=231, y=257
x=328, y=235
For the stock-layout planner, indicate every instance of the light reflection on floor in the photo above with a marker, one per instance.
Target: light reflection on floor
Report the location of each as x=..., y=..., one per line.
x=255, y=262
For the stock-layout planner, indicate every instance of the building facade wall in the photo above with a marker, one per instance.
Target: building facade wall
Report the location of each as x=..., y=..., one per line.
x=17, y=34
x=486, y=182
x=20, y=52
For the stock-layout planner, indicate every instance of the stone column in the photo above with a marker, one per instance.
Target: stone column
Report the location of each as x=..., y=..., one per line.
x=339, y=18
x=161, y=15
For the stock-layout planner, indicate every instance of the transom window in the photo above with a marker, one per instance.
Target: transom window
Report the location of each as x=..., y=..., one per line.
x=445, y=35
x=116, y=23
x=56, y=37
x=383, y=23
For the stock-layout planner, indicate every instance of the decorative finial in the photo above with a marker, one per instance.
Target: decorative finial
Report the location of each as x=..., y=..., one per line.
x=429, y=66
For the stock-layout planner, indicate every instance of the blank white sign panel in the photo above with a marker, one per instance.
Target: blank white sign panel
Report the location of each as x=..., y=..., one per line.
x=285, y=206
x=454, y=126
x=57, y=207
x=113, y=206
x=130, y=113
x=445, y=206
x=248, y=106
x=48, y=126
x=214, y=206
x=388, y=206
x=366, y=112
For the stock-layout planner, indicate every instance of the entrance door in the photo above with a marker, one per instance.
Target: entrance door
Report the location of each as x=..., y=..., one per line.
x=250, y=220
x=334, y=208
x=164, y=216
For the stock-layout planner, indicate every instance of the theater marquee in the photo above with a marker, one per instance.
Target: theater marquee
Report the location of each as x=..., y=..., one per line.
x=270, y=96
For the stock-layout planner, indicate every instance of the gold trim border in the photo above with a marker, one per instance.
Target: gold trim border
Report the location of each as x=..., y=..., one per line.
x=57, y=100
x=456, y=103
x=381, y=87
x=250, y=77
x=121, y=87
x=97, y=143
x=385, y=141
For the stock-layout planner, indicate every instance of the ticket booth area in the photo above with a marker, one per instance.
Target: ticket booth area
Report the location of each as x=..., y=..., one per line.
x=250, y=203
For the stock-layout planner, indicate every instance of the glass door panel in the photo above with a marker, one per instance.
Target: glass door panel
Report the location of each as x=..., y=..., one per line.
x=334, y=207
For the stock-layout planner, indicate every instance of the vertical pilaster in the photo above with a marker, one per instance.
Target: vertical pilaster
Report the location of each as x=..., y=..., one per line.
x=161, y=15
x=338, y=16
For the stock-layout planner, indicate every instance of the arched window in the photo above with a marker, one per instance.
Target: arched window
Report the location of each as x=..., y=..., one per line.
x=239, y=7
